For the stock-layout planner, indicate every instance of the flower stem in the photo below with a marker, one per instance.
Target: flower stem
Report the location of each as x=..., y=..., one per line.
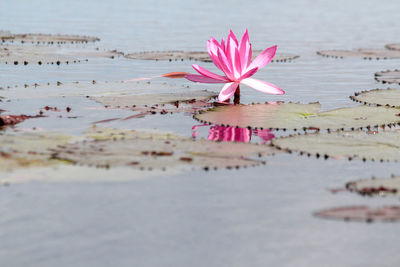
x=236, y=99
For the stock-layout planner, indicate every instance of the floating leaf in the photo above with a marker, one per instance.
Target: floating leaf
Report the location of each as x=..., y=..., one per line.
x=298, y=116
x=393, y=46
x=388, y=76
x=24, y=55
x=193, y=55
x=93, y=88
x=378, y=97
x=147, y=151
x=160, y=103
x=14, y=119
x=362, y=213
x=361, y=53
x=382, y=146
x=375, y=186
x=29, y=149
x=39, y=38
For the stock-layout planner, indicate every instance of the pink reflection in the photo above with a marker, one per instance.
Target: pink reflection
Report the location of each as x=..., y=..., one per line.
x=233, y=134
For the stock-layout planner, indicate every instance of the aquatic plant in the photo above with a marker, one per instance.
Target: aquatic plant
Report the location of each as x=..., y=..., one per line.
x=234, y=59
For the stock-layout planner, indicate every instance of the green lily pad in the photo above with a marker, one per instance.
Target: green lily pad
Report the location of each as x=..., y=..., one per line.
x=367, y=54
x=362, y=213
x=148, y=151
x=41, y=55
x=193, y=55
x=395, y=46
x=379, y=97
x=29, y=150
x=388, y=76
x=298, y=116
x=360, y=145
x=39, y=38
x=373, y=186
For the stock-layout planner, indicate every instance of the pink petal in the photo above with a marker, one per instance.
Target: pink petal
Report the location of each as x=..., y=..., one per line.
x=208, y=73
x=223, y=45
x=230, y=53
x=201, y=79
x=237, y=66
x=225, y=66
x=244, y=39
x=250, y=56
x=244, y=50
x=263, y=86
x=264, y=58
x=233, y=37
x=212, y=49
x=227, y=91
x=249, y=74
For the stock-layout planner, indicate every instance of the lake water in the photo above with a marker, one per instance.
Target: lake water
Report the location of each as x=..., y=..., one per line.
x=258, y=216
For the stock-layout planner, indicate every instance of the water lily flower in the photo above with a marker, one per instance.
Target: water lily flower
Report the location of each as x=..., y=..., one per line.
x=234, y=59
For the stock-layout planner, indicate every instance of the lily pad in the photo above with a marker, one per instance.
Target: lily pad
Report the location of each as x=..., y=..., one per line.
x=373, y=186
x=193, y=55
x=389, y=76
x=395, y=46
x=160, y=103
x=29, y=150
x=147, y=151
x=367, y=54
x=362, y=213
x=14, y=119
x=39, y=38
x=298, y=116
x=360, y=145
x=379, y=97
x=24, y=55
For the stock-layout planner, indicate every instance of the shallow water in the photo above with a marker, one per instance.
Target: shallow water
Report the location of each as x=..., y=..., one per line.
x=258, y=216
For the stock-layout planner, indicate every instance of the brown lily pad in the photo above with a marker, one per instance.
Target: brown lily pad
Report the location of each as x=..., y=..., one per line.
x=379, y=97
x=24, y=55
x=362, y=213
x=354, y=145
x=14, y=119
x=395, y=46
x=40, y=38
x=388, y=76
x=367, y=54
x=283, y=116
x=373, y=186
x=193, y=55
x=148, y=151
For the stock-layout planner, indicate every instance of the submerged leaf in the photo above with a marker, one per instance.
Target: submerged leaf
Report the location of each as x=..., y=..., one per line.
x=375, y=146
x=193, y=55
x=362, y=213
x=147, y=151
x=379, y=97
x=361, y=53
x=388, y=76
x=298, y=116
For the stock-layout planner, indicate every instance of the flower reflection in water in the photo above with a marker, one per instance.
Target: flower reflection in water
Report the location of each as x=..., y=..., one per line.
x=233, y=134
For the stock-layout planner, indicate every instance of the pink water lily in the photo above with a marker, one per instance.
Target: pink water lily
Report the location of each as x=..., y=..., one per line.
x=234, y=59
